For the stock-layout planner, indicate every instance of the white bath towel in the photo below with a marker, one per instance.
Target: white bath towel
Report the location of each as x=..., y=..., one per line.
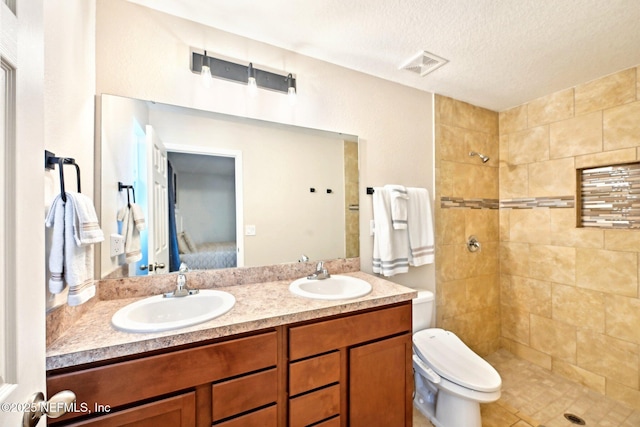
x=71, y=255
x=398, y=199
x=390, y=246
x=133, y=222
x=420, y=227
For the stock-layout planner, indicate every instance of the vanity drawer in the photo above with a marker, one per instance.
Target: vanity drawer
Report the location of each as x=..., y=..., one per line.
x=267, y=417
x=243, y=394
x=313, y=407
x=167, y=373
x=321, y=337
x=313, y=373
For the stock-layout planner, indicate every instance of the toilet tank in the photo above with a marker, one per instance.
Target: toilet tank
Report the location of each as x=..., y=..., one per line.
x=422, y=310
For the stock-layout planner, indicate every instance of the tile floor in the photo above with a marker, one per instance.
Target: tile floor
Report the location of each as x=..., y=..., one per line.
x=534, y=397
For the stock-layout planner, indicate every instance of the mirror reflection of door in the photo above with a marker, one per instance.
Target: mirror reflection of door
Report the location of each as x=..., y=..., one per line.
x=205, y=212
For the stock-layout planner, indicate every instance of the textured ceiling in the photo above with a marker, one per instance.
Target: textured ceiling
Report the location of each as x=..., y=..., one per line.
x=502, y=53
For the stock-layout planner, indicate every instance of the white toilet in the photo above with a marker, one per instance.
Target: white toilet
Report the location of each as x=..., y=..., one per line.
x=450, y=379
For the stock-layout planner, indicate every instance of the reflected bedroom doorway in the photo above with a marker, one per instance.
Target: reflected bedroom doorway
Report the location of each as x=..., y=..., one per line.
x=207, y=195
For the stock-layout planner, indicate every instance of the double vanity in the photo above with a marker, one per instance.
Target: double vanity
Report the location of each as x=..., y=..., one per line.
x=280, y=353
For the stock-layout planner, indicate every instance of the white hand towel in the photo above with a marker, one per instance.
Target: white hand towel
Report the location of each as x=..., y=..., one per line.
x=86, y=227
x=398, y=199
x=420, y=227
x=390, y=246
x=55, y=220
x=78, y=260
x=131, y=231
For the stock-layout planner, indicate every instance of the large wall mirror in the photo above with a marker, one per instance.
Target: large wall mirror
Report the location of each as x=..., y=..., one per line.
x=219, y=191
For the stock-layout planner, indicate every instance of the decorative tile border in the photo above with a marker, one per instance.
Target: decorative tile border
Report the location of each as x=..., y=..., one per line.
x=459, y=202
x=610, y=196
x=521, y=203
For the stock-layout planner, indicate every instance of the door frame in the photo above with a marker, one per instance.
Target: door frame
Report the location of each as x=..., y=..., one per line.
x=237, y=156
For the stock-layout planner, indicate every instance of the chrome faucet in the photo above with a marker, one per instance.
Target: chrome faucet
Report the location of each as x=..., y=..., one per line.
x=181, y=285
x=321, y=272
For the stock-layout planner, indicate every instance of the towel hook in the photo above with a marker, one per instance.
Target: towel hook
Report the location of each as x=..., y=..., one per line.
x=122, y=186
x=50, y=161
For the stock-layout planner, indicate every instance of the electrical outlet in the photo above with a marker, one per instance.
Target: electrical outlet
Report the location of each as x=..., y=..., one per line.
x=249, y=230
x=117, y=245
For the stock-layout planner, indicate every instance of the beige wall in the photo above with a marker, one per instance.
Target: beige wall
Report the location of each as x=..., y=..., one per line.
x=569, y=296
x=467, y=283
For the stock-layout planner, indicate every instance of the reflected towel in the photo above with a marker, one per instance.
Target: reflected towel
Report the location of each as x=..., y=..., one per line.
x=133, y=222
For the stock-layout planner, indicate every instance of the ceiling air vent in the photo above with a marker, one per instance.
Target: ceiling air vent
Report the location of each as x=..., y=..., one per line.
x=423, y=63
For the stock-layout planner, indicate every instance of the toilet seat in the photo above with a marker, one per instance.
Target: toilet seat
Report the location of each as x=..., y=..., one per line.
x=450, y=358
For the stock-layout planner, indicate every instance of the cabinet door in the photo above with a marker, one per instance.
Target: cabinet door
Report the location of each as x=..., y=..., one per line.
x=380, y=383
x=178, y=411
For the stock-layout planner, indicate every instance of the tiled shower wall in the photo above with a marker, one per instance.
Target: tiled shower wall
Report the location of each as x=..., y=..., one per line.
x=568, y=295
x=468, y=286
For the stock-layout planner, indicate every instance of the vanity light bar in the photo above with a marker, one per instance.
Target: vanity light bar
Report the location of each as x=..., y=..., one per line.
x=231, y=71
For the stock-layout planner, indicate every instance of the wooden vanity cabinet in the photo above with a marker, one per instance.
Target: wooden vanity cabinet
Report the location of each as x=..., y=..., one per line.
x=198, y=386
x=353, y=370
x=349, y=370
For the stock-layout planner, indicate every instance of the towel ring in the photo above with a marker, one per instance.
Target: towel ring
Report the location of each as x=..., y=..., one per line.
x=50, y=161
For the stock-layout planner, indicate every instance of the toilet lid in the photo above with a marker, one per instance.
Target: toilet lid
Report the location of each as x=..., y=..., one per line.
x=446, y=354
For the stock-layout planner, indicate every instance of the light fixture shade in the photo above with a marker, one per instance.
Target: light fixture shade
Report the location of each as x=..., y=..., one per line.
x=251, y=80
x=291, y=89
x=205, y=71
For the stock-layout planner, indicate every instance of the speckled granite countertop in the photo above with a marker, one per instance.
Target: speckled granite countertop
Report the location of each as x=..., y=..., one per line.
x=258, y=306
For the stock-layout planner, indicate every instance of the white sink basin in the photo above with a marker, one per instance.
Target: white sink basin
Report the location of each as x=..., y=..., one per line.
x=155, y=314
x=333, y=288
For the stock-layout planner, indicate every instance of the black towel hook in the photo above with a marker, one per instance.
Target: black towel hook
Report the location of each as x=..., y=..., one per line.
x=122, y=186
x=50, y=161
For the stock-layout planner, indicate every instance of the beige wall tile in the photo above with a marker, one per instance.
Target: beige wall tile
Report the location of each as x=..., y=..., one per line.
x=452, y=298
x=552, y=178
x=623, y=317
x=513, y=120
x=515, y=324
x=475, y=328
x=527, y=146
x=485, y=181
x=622, y=393
x=616, y=89
x=554, y=338
x=461, y=114
x=471, y=264
x=503, y=142
x=577, y=136
x=514, y=181
x=579, y=307
x=534, y=356
x=621, y=126
x=606, y=158
x=607, y=271
x=504, y=224
x=446, y=262
x=579, y=375
x=564, y=231
x=514, y=258
x=617, y=360
x=450, y=143
x=445, y=175
x=530, y=226
x=450, y=226
x=553, y=263
x=483, y=223
x=551, y=108
x=483, y=292
x=528, y=295
x=622, y=240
